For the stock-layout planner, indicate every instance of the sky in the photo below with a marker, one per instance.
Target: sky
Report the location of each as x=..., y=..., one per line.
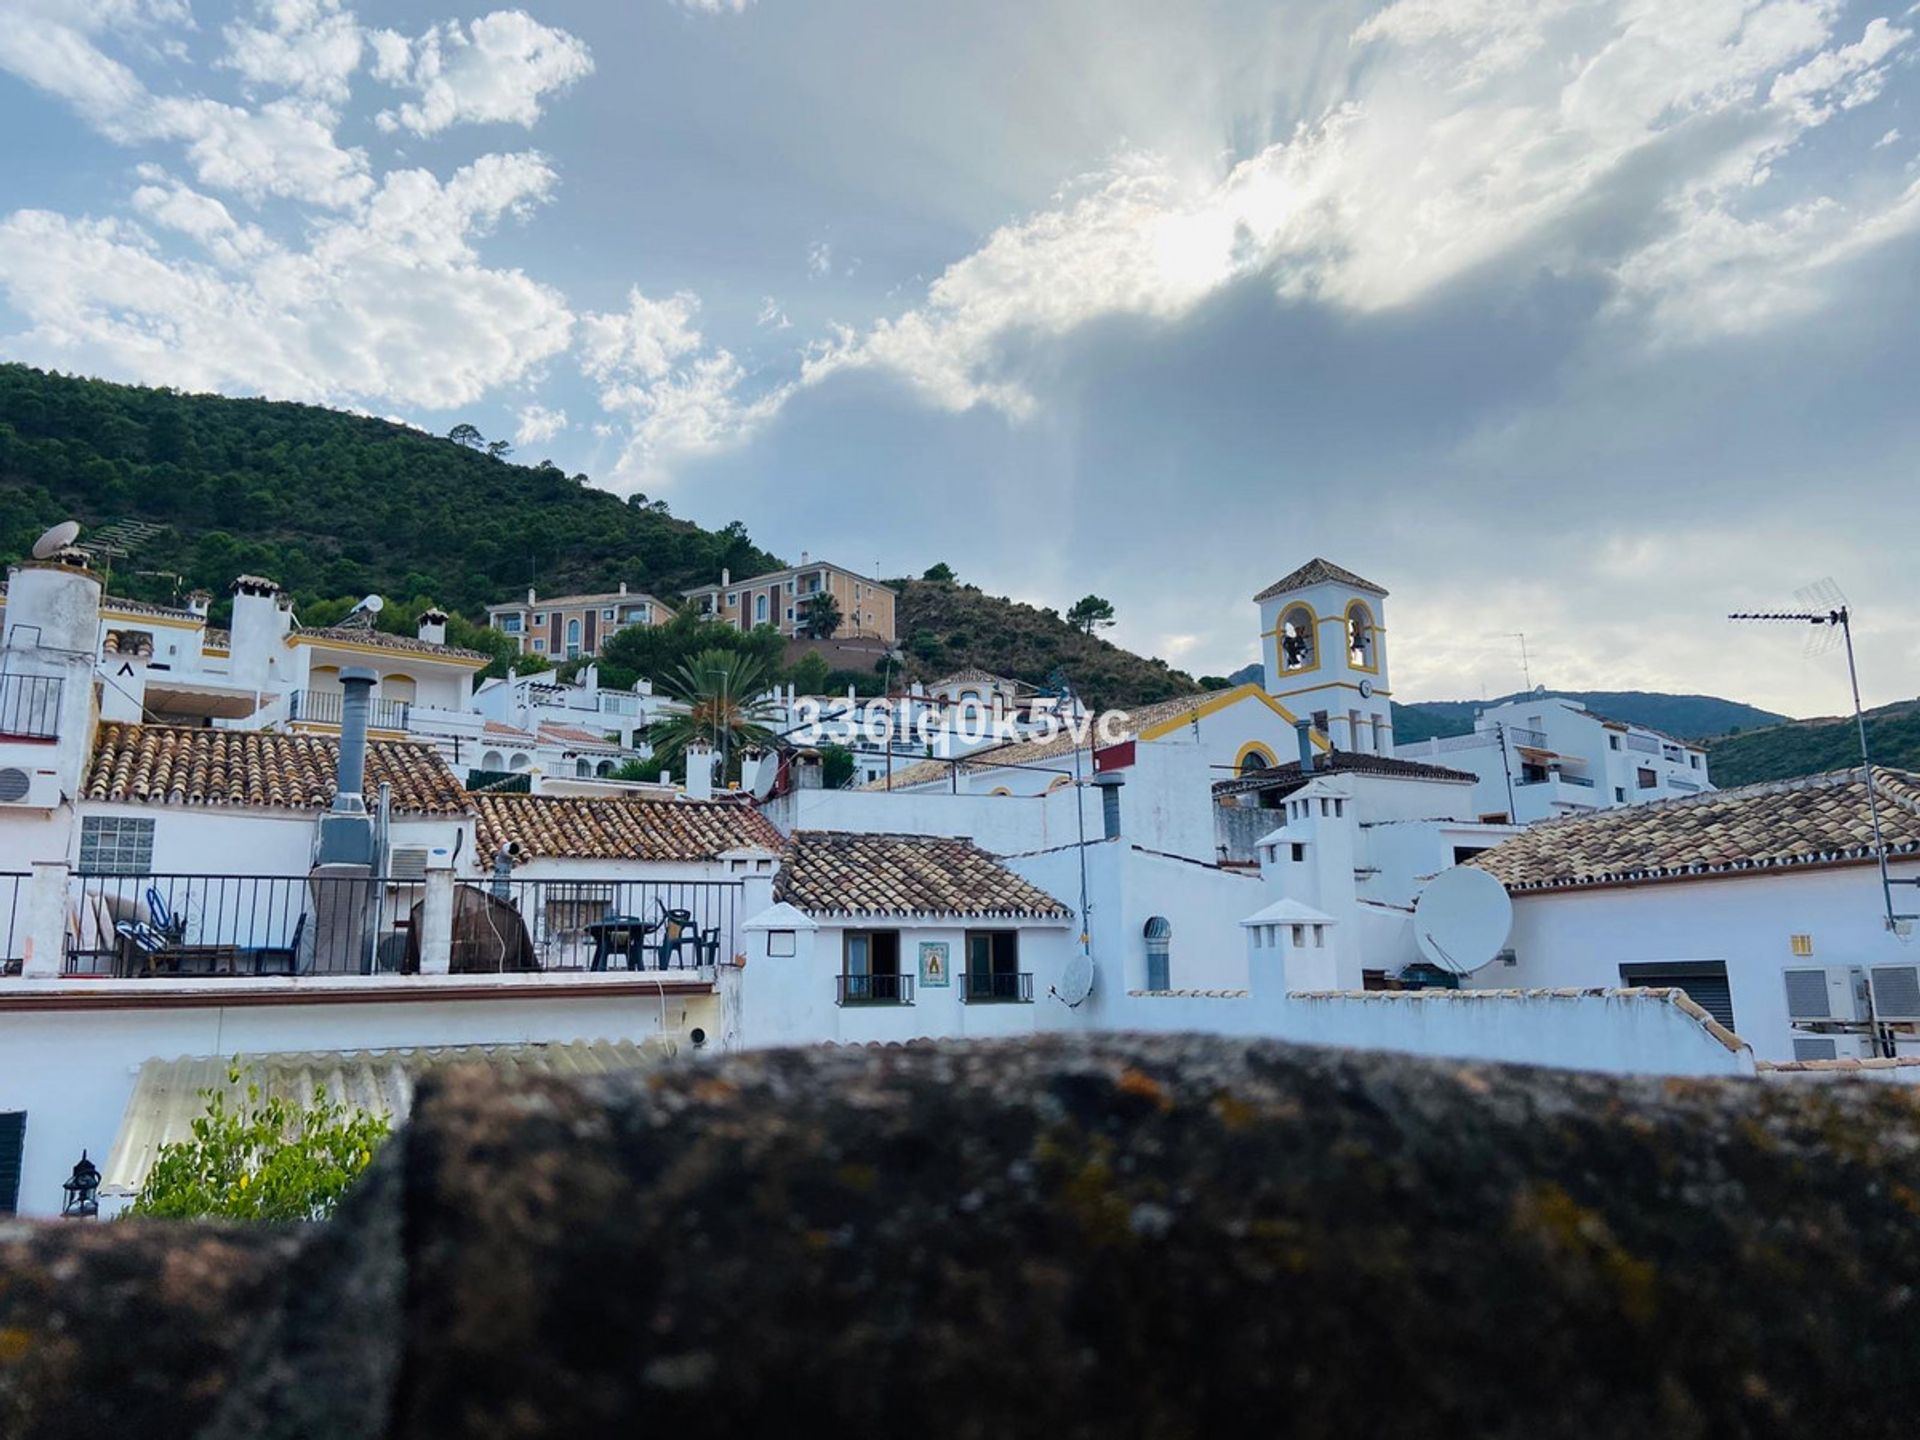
x=1591, y=320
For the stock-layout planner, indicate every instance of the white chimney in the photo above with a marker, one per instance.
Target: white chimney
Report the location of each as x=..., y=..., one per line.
x=805, y=559
x=623, y=587
x=699, y=757
x=531, y=598
x=261, y=623
x=726, y=577
x=433, y=626
x=199, y=601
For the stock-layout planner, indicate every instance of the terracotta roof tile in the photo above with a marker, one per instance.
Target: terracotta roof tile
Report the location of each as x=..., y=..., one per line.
x=181, y=765
x=1317, y=572
x=137, y=644
x=381, y=639
x=1287, y=778
x=621, y=827
x=1818, y=820
x=573, y=737
x=834, y=872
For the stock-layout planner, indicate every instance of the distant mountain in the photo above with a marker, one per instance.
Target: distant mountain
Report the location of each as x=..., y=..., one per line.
x=1691, y=717
x=1806, y=747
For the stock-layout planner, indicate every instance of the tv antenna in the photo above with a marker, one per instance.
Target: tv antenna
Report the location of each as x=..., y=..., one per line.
x=1526, y=666
x=1832, y=621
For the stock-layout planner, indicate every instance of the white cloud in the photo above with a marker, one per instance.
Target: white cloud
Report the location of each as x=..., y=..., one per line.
x=390, y=304
x=1446, y=154
x=716, y=7
x=497, y=69
x=819, y=259
x=1887, y=139
x=286, y=148
x=772, y=315
x=312, y=46
x=538, y=424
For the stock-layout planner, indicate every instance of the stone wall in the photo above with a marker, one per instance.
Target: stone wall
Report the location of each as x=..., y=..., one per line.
x=1066, y=1237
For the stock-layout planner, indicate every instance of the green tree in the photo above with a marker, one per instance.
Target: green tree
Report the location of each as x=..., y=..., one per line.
x=1090, y=614
x=255, y=1156
x=942, y=572
x=836, y=766
x=809, y=674
x=467, y=435
x=820, y=618
x=654, y=652
x=724, y=692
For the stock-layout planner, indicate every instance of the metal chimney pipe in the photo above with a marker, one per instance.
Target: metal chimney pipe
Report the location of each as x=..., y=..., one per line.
x=1303, y=730
x=1109, y=783
x=356, y=708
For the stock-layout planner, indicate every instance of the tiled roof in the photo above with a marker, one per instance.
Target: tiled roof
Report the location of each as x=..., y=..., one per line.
x=575, y=738
x=1120, y=725
x=1288, y=778
x=180, y=765
x=973, y=676
x=554, y=827
x=137, y=644
x=1818, y=820
x=833, y=872
x=357, y=635
x=1317, y=572
x=125, y=606
x=561, y=602
x=497, y=731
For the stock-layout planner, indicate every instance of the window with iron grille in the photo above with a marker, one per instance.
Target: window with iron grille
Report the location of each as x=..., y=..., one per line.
x=115, y=845
x=13, y=1144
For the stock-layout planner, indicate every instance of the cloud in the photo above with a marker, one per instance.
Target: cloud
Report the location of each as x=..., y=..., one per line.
x=679, y=395
x=311, y=46
x=715, y=7
x=772, y=315
x=819, y=259
x=389, y=304
x=496, y=70
x=286, y=148
x=1630, y=143
x=538, y=425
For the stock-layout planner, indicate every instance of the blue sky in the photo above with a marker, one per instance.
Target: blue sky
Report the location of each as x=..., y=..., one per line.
x=1592, y=319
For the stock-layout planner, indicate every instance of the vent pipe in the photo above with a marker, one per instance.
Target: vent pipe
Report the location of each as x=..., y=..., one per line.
x=809, y=772
x=1109, y=783
x=356, y=707
x=1303, y=729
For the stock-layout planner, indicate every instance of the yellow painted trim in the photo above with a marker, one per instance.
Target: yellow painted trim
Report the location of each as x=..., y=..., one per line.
x=1248, y=749
x=1058, y=781
x=1378, y=694
x=1279, y=629
x=478, y=663
x=1373, y=634
x=1000, y=790
x=1219, y=702
x=134, y=617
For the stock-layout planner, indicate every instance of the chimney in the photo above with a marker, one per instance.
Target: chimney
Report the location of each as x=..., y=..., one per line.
x=726, y=577
x=346, y=830
x=805, y=559
x=1303, y=729
x=199, y=602
x=699, y=756
x=809, y=773
x=623, y=587
x=532, y=599
x=1110, y=782
x=261, y=622
x=433, y=626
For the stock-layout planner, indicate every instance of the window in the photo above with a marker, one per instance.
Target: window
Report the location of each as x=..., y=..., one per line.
x=583, y=767
x=1159, y=935
x=111, y=845
x=1613, y=742
x=1360, y=636
x=1705, y=982
x=1464, y=853
x=510, y=624
x=870, y=970
x=789, y=612
x=539, y=644
x=538, y=618
x=760, y=609
x=573, y=639
x=1619, y=794
x=1647, y=779
x=13, y=1144
x=993, y=967
x=1253, y=758
x=1299, y=852
x=732, y=600
x=606, y=615
x=1693, y=762
x=1296, y=641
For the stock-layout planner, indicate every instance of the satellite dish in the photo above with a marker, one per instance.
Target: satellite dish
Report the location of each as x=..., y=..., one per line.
x=373, y=605
x=56, y=540
x=1462, y=919
x=1076, y=980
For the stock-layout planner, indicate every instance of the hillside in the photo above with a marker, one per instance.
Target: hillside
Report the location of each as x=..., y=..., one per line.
x=328, y=504
x=946, y=626
x=1691, y=717
x=1806, y=747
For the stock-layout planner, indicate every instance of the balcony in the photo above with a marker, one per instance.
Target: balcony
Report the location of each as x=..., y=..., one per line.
x=30, y=707
x=874, y=989
x=1003, y=987
x=1527, y=735
x=323, y=707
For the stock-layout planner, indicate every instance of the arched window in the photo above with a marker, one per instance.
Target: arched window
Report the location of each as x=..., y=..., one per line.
x=1360, y=637
x=604, y=768
x=493, y=760
x=1058, y=781
x=583, y=767
x=1159, y=935
x=519, y=762
x=401, y=688
x=1253, y=757
x=324, y=679
x=1298, y=648
x=573, y=638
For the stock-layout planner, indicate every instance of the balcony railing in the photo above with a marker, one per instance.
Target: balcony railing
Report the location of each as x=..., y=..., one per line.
x=1527, y=735
x=874, y=989
x=30, y=707
x=323, y=707
x=179, y=926
x=1644, y=744
x=1005, y=986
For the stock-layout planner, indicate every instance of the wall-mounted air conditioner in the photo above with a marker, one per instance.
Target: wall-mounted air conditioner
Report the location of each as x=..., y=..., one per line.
x=1826, y=992
x=29, y=789
x=407, y=862
x=1896, y=992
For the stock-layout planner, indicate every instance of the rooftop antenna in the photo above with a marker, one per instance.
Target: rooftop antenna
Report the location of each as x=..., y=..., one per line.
x=1832, y=621
x=1526, y=668
x=56, y=540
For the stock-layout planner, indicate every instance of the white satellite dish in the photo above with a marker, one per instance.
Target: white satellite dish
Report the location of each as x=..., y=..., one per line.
x=1462, y=919
x=1076, y=980
x=56, y=540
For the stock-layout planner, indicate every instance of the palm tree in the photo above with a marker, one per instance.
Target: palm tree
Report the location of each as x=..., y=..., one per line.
x=727, y=706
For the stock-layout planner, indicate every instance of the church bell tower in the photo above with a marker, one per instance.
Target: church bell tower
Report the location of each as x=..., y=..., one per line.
x=1323, y=637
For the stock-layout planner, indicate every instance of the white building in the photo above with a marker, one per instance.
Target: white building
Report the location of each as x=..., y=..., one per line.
x=1763, y=903
x=1549, y=756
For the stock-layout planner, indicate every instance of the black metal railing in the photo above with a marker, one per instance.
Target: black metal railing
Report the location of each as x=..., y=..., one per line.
x=13, y=930
x=574, y=925
x=183, y=926
x=875, y=989
x=324, y=707
x=1007, y=986
x=30, y=707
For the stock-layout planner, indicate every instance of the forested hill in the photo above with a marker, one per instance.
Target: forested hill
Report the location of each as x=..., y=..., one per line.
x=1806, y=747
x=326, y=503
x=1691, y=717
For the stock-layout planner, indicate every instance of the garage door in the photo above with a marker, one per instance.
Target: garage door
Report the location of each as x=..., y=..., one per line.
x=1705, y=982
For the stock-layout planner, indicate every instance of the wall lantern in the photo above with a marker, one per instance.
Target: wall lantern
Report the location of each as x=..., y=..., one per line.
x=82, y=1187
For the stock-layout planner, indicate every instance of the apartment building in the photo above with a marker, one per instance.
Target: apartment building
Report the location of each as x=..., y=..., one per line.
x=567, y=627
x=781, y=599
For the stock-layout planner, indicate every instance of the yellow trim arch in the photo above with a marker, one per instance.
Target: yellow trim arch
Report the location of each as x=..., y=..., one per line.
x=1373, y=638
x=1250, y=749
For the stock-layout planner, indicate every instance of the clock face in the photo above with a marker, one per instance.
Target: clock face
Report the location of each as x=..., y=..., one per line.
x=1366, y=689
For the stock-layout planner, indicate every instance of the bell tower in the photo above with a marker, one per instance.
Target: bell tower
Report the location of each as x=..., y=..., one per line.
x=1323, y=639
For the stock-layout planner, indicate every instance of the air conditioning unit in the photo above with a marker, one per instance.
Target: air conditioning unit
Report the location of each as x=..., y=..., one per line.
x=1825, y=992
x=1832, y=1047
x=1896, y=991
x=29, y=789
x=407, y=862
